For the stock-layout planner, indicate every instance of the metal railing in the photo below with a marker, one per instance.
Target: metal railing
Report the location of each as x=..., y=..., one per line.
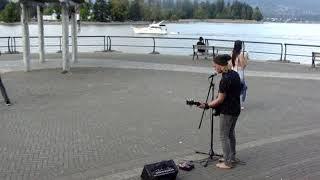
x=10, y=44
x=246, y=43
x=153, y=45
x=109, y=43
x=311, y=48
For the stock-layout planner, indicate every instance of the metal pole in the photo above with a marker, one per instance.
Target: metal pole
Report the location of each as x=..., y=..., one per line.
x=154, y=46
x=9, y=47
x=107, y=40
x=65, y=39
x=74, y=35
x=285, y=52
x=211, y=153
x=109, y=43
x=25, y=36
x=243, y=46
x=12, y=45
x=281, y=52
x=60, y=44
x=15, y=45
x=207, y=50
x=104, y=43
x=41, y=33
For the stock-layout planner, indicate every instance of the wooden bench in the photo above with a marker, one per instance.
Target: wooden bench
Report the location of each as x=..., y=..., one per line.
x=205, y=48
x=315, y=57
x=215, y=50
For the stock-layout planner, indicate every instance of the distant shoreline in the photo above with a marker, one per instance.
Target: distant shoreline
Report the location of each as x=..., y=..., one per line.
x=181, y=21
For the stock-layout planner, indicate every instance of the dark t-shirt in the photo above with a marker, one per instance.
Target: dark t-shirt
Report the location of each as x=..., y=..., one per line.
x=200, y=49
x=230, y=86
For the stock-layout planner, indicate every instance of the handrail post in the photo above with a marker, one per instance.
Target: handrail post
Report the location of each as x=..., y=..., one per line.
x=243, y=46
x=281, y=52
x=285, y=52
x=154, y=46
x=15, y=45
x=104, y=43
x=9, y=49
x=12, y=46
x=109, y=49
x=207, y=50
x=60, y=45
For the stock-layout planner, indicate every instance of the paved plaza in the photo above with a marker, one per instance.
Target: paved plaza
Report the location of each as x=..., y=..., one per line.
x=115, y=112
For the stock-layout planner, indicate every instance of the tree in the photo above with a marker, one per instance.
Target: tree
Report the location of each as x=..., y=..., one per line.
x=146, y=13
x=101, y=11
x=156, y=13
x=213, y=11
x=11, y=13
x=187, y=9
x=201, y=12
x=55, y=8
x=249, y=12
x=85, y=11
x=236, y=10
x=3, y=4
x=220, y=6
x=168, y=4
x=226, y=12
x=257, y=15
x=135, y=10
x=119, y=10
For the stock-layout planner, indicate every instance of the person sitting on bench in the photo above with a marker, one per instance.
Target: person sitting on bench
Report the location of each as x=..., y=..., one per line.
x=200, y=42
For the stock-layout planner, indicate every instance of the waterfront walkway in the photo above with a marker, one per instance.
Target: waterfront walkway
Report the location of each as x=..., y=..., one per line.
x=115, y=112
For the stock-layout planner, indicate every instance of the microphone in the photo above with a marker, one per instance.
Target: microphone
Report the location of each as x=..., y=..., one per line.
x=212, y=75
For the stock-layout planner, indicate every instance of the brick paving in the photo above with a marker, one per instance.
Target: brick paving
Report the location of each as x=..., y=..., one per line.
x=98, y=122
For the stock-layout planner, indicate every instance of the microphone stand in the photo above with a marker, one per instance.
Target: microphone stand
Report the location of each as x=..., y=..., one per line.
x=212, y=155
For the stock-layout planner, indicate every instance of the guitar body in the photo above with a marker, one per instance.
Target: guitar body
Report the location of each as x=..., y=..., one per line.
x=191, y=102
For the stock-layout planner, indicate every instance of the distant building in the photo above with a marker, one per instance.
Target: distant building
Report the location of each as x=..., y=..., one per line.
x=52, y=17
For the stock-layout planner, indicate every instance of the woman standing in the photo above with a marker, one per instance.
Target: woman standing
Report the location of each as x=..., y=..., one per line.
x=238, y=63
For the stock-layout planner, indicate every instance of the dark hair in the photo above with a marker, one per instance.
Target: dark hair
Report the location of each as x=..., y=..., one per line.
x=236, y=51
x=222, y=59
x=201, y=39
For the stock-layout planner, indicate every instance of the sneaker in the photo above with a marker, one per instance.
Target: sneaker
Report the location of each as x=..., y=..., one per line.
x=242, y=108
x=223, y=166
x=8, y=103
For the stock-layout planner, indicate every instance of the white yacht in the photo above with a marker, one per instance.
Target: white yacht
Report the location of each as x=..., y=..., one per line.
x=154, y=28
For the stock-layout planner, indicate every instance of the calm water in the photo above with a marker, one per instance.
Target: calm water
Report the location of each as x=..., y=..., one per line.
x=266, y=32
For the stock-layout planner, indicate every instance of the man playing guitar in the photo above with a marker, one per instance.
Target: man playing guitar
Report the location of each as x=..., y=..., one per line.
x=228, y=101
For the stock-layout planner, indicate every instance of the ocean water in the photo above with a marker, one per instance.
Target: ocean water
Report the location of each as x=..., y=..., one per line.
x=306, y=34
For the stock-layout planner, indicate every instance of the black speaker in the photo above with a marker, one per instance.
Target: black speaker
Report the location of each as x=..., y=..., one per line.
x=164, y=170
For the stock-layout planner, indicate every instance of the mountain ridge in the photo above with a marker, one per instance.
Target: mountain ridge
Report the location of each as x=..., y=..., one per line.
x=284, y=8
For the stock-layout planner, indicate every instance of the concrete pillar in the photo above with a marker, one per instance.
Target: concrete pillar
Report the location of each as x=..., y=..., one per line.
x=25, y=36
x=65, y=37
x=41, y=33
x=74, y=36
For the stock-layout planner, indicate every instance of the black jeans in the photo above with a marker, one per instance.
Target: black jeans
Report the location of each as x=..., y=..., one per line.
x=3, y=92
